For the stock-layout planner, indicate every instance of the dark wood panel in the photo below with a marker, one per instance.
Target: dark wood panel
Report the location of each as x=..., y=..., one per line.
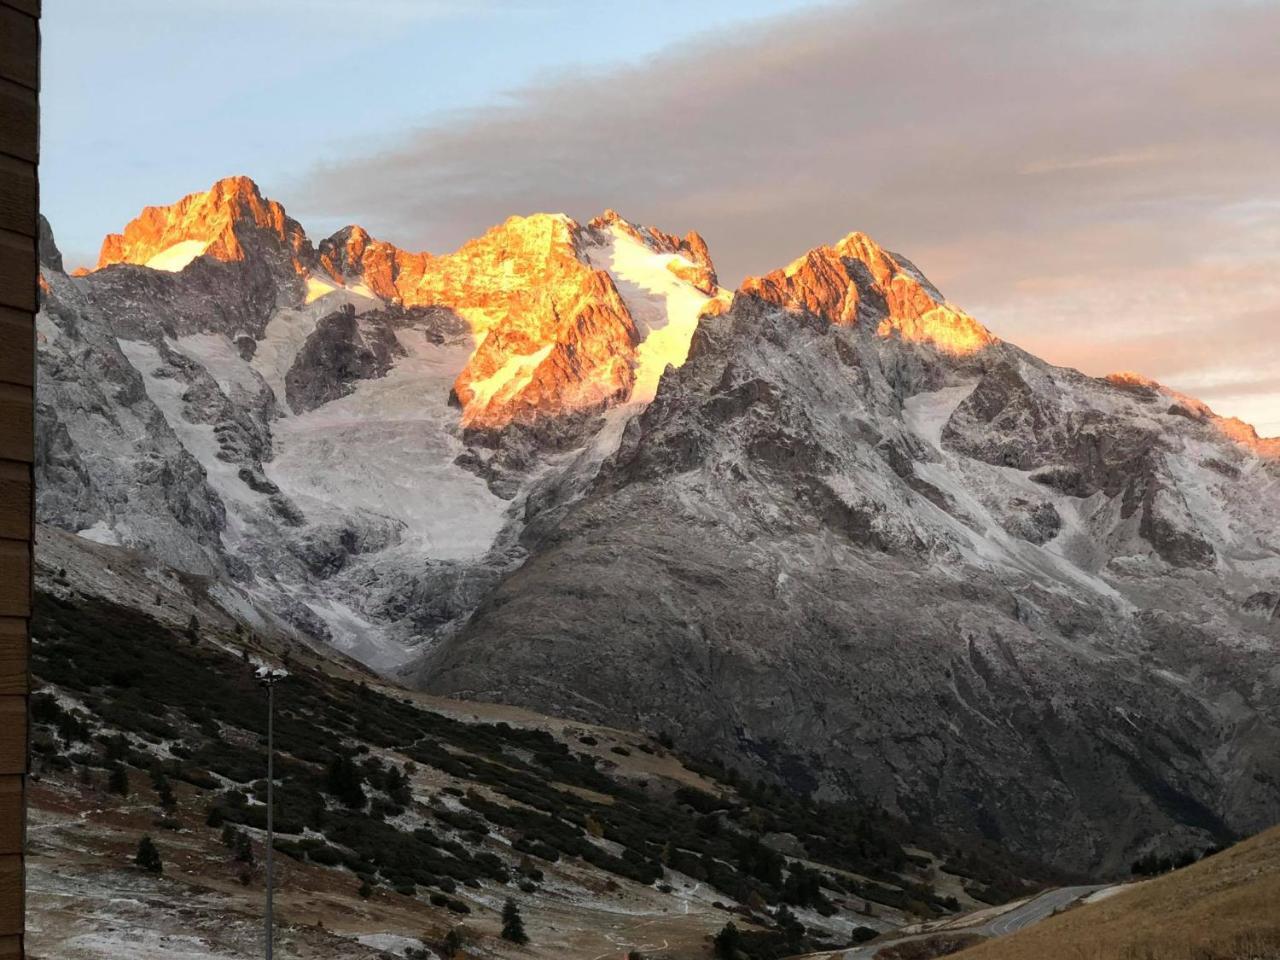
x=19, y=125
x=17, y=271
x=12, y=815
x=17, y=429
x=17, y=347
x=15, y=500
x=15, y=578
x=10, y=895
x=19, y=48
x=13, y=656
x=18, y=205
x=18, y=196
x=11, y=946
x=26, y=6
x=13, y=736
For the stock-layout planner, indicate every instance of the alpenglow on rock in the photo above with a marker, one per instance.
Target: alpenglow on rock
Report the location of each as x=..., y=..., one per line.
x=828, y=528
x=345, y=432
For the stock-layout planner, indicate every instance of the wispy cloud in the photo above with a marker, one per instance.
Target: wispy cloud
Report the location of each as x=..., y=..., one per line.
x=1072, y=172
x=1127, y=158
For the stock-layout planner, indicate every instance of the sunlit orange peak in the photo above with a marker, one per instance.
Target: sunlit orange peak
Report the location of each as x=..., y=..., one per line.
x=214, y=223
x=826, y=281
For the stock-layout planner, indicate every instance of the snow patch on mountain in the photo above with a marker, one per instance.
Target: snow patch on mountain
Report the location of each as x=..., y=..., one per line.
x=664, y=307
x=220, y=357
x=318, y=287
x=100, y=532
x=510, y=378
x=200, y=439
x=175, y=258
x=971, y=484
x=395, y=439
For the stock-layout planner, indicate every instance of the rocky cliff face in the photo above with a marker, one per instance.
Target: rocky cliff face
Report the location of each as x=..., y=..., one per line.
x=343, y=433
x=858, y=544
x=828, y=528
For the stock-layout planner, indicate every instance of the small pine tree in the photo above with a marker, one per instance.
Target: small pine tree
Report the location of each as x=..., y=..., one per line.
x=728, y=942
x=164, y=792
x=118, y=781
x=244, y=848
x=193, y=628
x=148, y=856
x=453, y=942
x=366, y=889
x=513, y=923
x=788, y=925
x=397, y=787
x=344, y=782
x=215, y=817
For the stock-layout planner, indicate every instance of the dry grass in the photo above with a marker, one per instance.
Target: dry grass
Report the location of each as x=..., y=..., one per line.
x=1226, y=907
x=943, y=945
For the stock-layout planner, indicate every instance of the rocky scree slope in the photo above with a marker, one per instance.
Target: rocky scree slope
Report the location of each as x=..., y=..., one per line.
x=859, y=545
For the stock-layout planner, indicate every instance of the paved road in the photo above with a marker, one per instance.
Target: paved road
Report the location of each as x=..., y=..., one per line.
x=1023, y=915
x=1035, y=910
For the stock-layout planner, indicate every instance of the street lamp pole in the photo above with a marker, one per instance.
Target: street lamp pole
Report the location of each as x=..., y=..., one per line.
x=268, y=678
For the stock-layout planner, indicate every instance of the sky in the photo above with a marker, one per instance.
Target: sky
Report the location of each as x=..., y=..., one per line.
x=1096, y=182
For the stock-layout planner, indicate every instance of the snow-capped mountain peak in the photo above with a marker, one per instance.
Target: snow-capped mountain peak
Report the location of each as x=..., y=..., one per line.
x=221, y=222
x=856, y=280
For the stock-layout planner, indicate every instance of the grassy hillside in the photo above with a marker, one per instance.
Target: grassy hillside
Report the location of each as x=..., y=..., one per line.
x=1226, y=907
x=141, y=727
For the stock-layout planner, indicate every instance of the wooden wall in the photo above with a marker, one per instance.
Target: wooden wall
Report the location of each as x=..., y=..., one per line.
x=19, y=144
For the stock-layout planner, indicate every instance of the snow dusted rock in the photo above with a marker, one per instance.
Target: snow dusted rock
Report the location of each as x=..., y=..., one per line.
x=296, y=410
x=339, y=353
x=1263, y=604
x=829, y=528
x=859, y=545
x=106, y=459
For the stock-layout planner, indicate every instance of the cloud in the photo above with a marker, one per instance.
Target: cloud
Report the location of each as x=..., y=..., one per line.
x=1074, y=174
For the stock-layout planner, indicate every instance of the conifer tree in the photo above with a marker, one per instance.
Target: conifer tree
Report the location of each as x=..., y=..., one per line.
x=148, y=856
x=513, y=923
x=728, y=942
x=118, y=781
x=344, y=782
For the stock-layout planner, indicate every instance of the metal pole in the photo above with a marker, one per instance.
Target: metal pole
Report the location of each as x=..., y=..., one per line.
x=271, y=710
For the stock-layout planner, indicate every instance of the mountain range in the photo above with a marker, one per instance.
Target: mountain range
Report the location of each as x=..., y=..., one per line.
x=825, y=528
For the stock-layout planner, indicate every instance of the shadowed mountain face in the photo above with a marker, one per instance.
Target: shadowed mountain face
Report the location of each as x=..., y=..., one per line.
x=858, y=544
x=829, y=529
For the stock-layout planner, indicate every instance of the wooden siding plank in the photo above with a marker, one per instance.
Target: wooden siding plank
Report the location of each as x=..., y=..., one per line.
x=17, y=271
x=12, y=815
x=15, y=500
x=19, y=48
x=11, y=895
x=17, y=348
x=15, y=578
x=29, y=7
x=19, y=122
x=17, y=426
x=13, y=736
x=18, y=196
x=13, y=656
